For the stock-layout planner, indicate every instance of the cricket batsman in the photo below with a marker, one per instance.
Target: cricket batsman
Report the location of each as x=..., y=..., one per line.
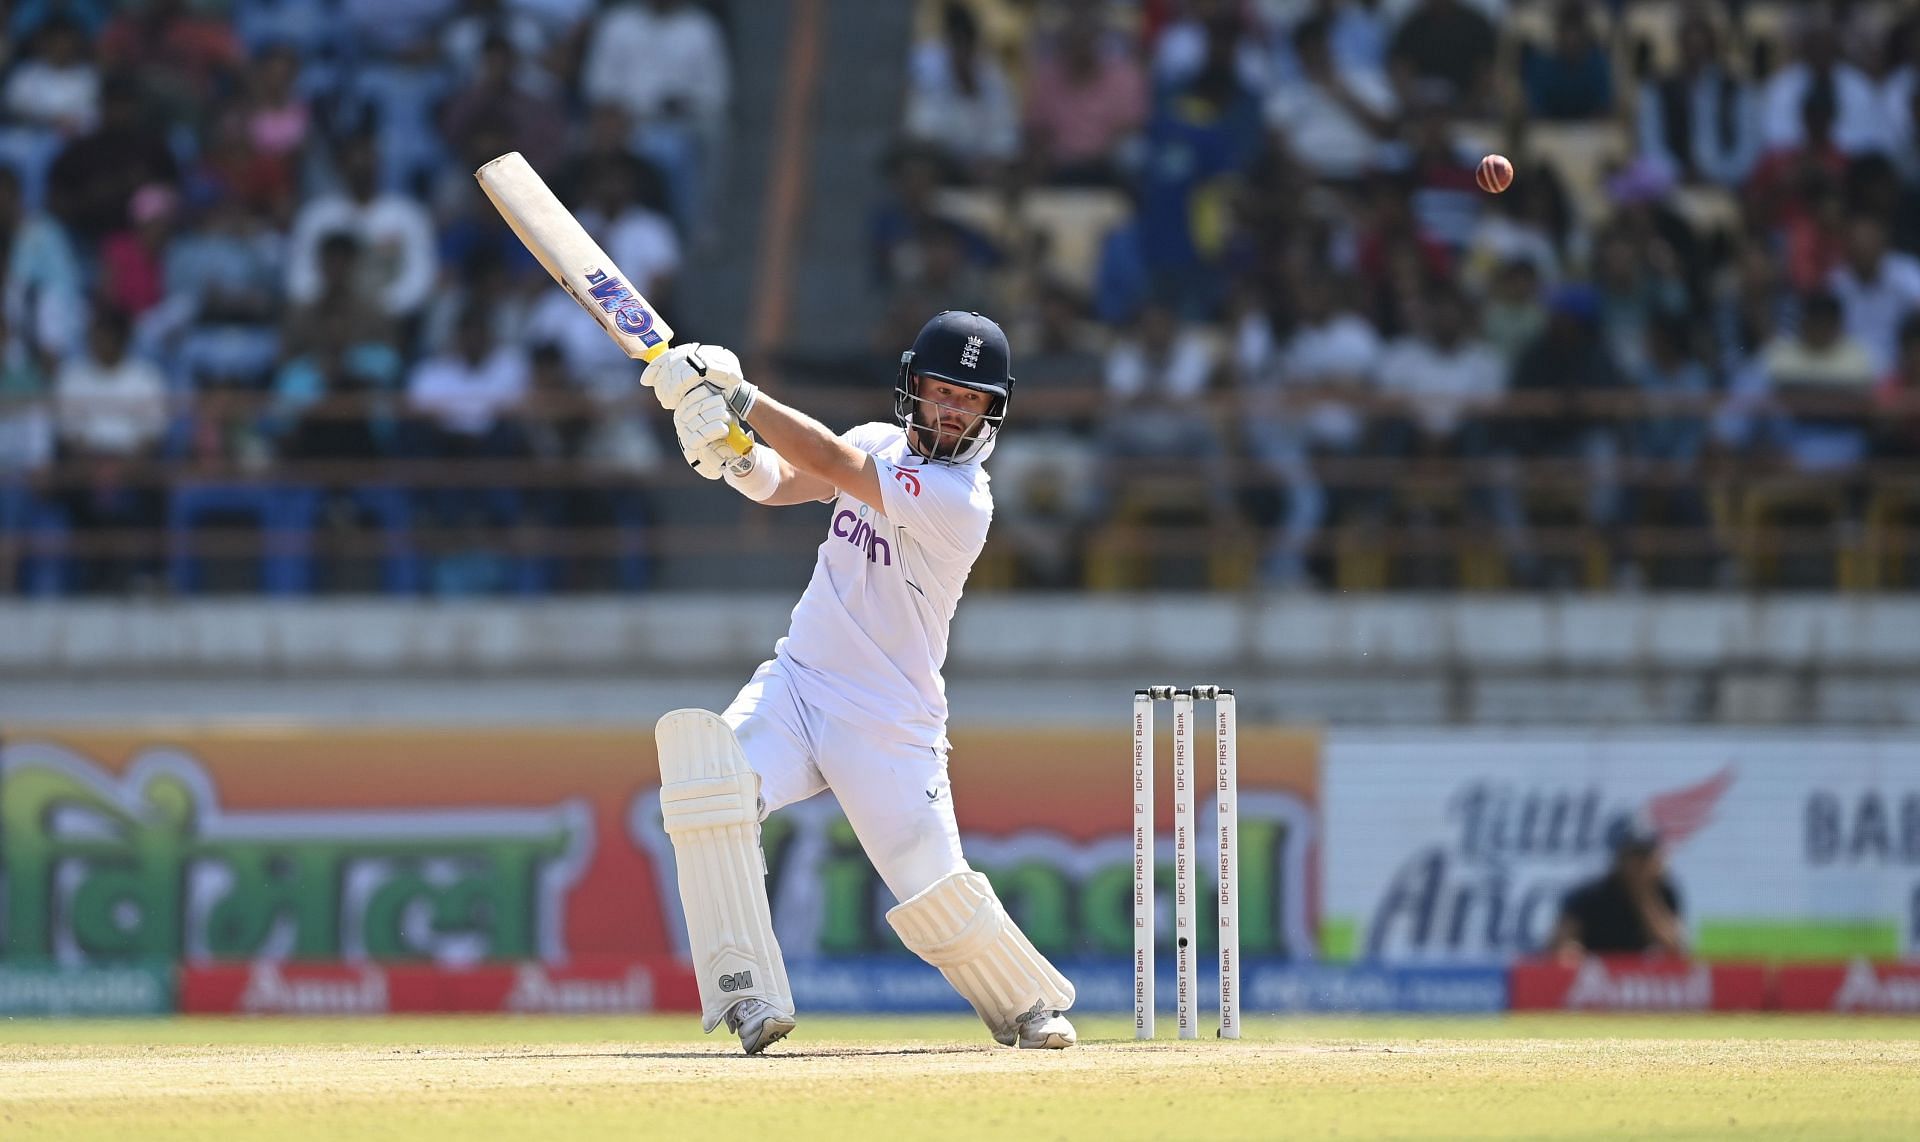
x=852, y=699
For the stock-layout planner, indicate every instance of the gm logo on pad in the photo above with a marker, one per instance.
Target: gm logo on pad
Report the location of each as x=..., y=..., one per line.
x=620, y=301
x=738, y=981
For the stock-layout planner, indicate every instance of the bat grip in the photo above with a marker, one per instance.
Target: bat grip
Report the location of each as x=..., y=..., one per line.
x=739, y=440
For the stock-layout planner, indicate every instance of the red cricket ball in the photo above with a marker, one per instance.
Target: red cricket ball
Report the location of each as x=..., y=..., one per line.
x=1495, y=174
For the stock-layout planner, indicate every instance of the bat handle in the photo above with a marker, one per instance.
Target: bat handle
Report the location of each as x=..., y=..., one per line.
x=739, y=440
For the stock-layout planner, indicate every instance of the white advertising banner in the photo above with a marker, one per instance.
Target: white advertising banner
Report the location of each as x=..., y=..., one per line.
x=1457, y=847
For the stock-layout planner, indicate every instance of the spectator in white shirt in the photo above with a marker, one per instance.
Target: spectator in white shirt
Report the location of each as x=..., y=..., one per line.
x=1301, y=402
x=1859, y=124
x=57, y=88
x=1159, y=417
x=110, y=413
x=1438, y=380
x=469, y=398
x=959, y=99
x=660, y=60
x=1701, y=123
x=395, y=236
x=1877, y=288
x=469, y=404
x=1334, y=120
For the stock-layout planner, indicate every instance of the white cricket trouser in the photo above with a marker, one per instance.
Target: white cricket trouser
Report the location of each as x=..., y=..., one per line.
x=896, y=796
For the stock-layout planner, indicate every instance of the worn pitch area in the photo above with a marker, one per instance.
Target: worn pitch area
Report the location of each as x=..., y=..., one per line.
x=924, y=1079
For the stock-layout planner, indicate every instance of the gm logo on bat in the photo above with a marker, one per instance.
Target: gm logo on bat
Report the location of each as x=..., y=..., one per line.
x=619, y=300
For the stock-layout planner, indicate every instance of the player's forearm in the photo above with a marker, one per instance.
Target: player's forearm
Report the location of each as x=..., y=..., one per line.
x=806, y=444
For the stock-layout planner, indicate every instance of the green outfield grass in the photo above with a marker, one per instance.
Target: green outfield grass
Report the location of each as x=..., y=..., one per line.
x=479, y=1078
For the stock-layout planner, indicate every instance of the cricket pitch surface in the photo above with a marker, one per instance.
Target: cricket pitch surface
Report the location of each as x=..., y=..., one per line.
x=928, y=1079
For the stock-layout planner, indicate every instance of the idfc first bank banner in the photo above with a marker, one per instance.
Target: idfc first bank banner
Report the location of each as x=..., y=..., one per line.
x=453, y=847
x=1458, y=847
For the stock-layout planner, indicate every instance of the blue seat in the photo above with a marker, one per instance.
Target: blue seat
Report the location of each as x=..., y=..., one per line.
x=634, y=562
x=38, y=532
x=392, y=508
x=283, y=516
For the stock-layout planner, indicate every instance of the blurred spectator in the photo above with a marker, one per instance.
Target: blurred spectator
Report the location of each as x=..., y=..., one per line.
x=908, y=215
x=1439, y=378
x=1446, y=199
x=394, y=28
x=958, y=98
x=1334, y=120
x=329, y=400
x=1573, y=79
x=394, y=232
x=1086, y=96
x=499, y=105
x=1515, y=311
x=469, y=404
x=41, y=295
x=1047, y=476
x=1633, y=910
x=1877, y=289
x=471, y=398
x=94, y=177
x=182, y=58
x=58, y=87
x=1816, y=240
x=1305, y=399
x=1200, y=137
x=1813, y=390
x=1897, y=398
x=26, y=414
x=1701, y=122
x=1568, y=361
x=1669, y=438
x=1443, y=50
x=133, y=260
x=1554, y=380
x=278, y=119
x=640, y=239
x=464, y=43
x=1781, y=189
x=1517, y=226
x=1820, y=73
x=688, y=75
x=110, y=411
x=1158, y=414
x=1638, y=282
x=1207, y=33
x=223, y=296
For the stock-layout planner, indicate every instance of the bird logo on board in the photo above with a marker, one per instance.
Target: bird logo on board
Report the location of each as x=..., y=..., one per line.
x=970, y=352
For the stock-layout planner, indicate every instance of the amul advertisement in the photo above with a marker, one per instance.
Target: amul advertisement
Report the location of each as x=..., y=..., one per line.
x=1458, y=847
x=462, y=849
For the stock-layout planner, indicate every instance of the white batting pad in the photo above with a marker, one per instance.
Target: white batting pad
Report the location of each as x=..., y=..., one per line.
x=959, y=926
x=710, y=798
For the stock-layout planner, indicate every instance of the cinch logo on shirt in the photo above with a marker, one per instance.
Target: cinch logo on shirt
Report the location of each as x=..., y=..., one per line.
x=860, y=533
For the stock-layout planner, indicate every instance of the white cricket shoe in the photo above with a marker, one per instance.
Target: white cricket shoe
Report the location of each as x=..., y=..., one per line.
x=1044, y=1031
x=759, y=1023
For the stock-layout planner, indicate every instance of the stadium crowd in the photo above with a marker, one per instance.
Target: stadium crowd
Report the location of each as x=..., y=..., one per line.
x=1258, y=304
x=1687, y=331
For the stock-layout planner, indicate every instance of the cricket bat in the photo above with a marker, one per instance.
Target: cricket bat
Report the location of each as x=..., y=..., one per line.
x=572, y=258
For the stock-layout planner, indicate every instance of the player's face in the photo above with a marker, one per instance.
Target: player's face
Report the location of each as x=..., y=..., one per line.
x=947, y=415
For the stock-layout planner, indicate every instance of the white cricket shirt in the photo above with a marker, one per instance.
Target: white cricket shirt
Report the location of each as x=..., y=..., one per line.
x=869, y=636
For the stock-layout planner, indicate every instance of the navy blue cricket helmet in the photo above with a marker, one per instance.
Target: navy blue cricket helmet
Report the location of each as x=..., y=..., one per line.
x=966, y=349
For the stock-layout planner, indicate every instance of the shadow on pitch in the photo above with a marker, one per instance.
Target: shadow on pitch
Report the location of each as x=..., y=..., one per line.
x=799, y=1052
